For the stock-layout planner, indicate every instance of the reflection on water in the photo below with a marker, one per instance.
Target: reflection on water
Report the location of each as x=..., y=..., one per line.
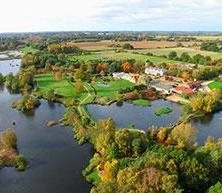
x=56, y=160
x=10, y=66
x=144, y=117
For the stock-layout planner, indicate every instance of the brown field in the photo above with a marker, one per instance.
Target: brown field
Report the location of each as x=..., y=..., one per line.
x=157, y=44
x=101, y=45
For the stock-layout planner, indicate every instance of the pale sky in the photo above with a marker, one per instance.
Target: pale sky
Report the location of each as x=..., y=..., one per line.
x=135, y=15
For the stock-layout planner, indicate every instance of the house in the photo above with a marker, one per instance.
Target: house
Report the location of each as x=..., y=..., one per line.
x=183, y=90
x=126, y=76
x=194, y=85
x=155, y=71
x=162, y=86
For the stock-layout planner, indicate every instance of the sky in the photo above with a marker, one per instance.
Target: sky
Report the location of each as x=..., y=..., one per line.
x=110, y=15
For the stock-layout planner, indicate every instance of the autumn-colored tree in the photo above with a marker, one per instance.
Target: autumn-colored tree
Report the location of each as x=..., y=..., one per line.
x=185, y=75
x=58, y=75
x=127, y=67
x=184, y=135
x=79, y=86
x=171, y=66
x=109, y=170
x=102, y=68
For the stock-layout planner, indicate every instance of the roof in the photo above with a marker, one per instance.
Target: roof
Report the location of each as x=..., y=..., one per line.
x=184, y=90
x=161, y=85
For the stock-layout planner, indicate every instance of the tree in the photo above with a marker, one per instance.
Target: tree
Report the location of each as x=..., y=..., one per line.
x=114, y=67
x=185, y=75
x=58, y=75
x=80, y=74
x=8, y=138
x=2, y=79
x=128, y=46
x=79, y=86
x=216, y=188
x=102, y=68
x=184, y=135
x=185, y=57
x=193, y=174
x=123, y=142
x=127, y=67
x=172, y=55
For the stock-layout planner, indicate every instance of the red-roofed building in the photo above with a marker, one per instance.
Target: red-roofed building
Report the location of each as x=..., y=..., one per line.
x=183, y=90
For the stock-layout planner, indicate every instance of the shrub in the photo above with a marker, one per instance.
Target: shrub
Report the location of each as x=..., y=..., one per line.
x=8, y=138
x=21, y=163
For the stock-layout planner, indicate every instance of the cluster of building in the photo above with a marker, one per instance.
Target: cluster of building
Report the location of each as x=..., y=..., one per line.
x=162, y=82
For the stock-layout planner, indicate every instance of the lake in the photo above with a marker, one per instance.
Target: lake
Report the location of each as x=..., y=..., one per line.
x=10, y=66
x=55, y=159
x=144, y=117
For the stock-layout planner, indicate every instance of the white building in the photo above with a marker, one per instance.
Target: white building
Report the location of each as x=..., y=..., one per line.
x=125, y=76
x=155, y=71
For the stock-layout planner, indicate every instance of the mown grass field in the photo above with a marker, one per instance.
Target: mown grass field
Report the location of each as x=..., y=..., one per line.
x=180, y=50
x=62, y=87
x=216, y=85
x=120, y=56
x=46, y=82
x=111, y=89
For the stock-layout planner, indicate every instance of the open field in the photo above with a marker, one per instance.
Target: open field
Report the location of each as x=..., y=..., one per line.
x=111, y=89
x=47, y=82
x=180, y=50
x=208, y=37
x=62, y=87
x=106, y=44
x=216, y=85
x=120, y=56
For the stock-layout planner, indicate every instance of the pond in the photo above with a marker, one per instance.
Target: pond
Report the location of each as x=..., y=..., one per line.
x=55, y=159
x=10, y=66
x=144, y=117
x=141, y=117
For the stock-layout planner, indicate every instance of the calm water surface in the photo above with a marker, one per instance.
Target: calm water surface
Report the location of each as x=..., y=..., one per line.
x=144, y=117
x=9, y=66
x=55, y=159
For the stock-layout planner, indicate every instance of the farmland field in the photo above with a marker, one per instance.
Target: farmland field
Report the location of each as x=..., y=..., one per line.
x=106, y=44
x=180, y=50
x=120, y=56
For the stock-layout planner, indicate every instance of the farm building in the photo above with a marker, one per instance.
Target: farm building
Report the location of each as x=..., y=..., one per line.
x=183, y=90
x=126, y=76
x=162, y=86
x=155, y=71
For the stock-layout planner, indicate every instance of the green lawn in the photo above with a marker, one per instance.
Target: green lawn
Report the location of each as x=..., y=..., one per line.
x=47, y=82
x=119, y=56
x=142, y=102
x=215, y=85
x=110, y=89
x=180, y=50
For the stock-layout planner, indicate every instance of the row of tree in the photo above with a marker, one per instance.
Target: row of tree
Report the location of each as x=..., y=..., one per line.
x=185, y=57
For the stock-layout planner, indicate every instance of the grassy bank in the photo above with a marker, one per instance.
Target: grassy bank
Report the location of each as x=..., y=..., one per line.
x=216, y=85
x=142, y=102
